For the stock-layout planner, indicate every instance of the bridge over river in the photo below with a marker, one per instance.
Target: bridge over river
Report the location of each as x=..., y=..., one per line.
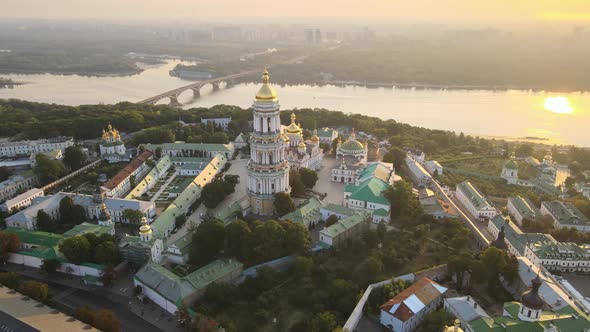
x=172, y=95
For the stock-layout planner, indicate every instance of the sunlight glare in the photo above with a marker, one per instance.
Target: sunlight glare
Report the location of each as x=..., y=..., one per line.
x=560, y=105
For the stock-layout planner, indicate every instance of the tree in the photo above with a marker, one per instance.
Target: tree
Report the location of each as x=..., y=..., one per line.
x=213, y=193
x=237, y=237
x=183, y=318
x=208, y=240
x=158, y=152
x=303, y=267
x=180, y=221
x=106, y=253
x=36, y=290
x=74, y=157
x=383, y=294
x=71, y=213
x=308, y=177
x=5, y=173
x=10, y=279
x=85, y=314
x=457, y=266
x=106, y=321
x=396, y=156
x=9, y=242
x=435, y=321
x=108, y=276
x=297, y=186
x=132, y=216
x=44, y=222
x=323, y=322
x=332, y=219
x=402, y=200
x=283, y=203
x=48, y=170
x=76, y=249
x=296, y=238
x=524, y=150
x=368, y=270
x=50, y=265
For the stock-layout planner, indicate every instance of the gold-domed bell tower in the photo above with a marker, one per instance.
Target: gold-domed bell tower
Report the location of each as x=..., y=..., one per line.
x=145, y=230
x=268, y=171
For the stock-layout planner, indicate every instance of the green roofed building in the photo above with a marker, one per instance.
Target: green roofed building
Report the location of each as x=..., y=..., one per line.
x=170, y=290
x=345, y=228
x=307, y=214
x=182, y=149
x=522, y=208
x=475, y=201
x=565, y=215
x=528, y=315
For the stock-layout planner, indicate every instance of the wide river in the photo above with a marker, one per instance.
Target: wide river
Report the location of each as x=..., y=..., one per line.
x=558, y=117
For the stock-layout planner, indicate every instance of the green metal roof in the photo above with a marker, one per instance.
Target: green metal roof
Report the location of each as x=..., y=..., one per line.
x=511, y=164
x=338, y=209
x=376, y=170
x=191, y=146
x=151, y=177
x=85, y=228
x=369, y=191
x=566, y=213
x=525, y=207
x=352, y=146
x=345, y=224
x=306, y=213
x=474, y=194
x=564, y=321
x=381, y=213
x=175, y=288
x=325, y=132
x=36, y=238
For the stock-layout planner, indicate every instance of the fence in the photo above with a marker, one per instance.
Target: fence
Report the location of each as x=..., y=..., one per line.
x=71, y=175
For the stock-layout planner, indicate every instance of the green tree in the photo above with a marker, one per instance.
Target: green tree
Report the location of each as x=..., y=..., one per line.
x=106, y=253
x=76, y=249
x=303, y=267
x=208, y=240
x=296, y=184
x=213, y=193
x=308, y=177
x=296, y=238
x=332, y=219
x=283, y=203
x=10, y=279
x=402, y=200
x=396, y=156
x=74, y=157
x=5, y=173
x=9, y=242
x=179, y=221
x=36, y=290
x=132, y=216
x=48, y=170
x=383, y=294
x=237, y=237
x=435, y=321
x=44, y=222
x=106, y=321
x=324, y=322
x=50, y=265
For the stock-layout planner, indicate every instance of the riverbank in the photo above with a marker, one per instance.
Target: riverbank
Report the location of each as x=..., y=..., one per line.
x=8, y=83
x=67, y=73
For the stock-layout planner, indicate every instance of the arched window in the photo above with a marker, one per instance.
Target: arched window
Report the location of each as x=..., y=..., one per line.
x=261, y=124
x=270, y=157
x=268, y=123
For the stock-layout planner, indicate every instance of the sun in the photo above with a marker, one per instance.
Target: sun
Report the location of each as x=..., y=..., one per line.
x=560, y=105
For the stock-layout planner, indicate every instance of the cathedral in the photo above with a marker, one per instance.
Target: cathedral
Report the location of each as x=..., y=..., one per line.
x=268, y=168
x=300, y=153
x=112, y=148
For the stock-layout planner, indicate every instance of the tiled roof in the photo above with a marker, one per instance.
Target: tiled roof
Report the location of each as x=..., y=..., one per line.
x=128, y=170
x=413, y=299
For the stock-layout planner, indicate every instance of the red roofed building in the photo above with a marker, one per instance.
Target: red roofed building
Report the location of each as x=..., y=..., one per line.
x=121, y=183
x=407, y=309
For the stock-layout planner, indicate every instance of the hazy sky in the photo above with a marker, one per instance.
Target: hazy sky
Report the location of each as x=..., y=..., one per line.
x=429, y=10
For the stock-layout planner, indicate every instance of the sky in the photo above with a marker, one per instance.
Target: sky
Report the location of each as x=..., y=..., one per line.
x=422, y=10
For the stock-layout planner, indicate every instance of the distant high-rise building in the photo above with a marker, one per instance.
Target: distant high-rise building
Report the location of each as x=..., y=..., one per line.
x=309, y=36
x=318, y=36
x=227, y=33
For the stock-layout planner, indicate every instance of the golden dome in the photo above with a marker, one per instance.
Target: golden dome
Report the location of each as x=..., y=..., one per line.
x=266, y=92
x=286, y=138
x=302, y=145
x=315, y=137
x=293, y=128
x=145, y=229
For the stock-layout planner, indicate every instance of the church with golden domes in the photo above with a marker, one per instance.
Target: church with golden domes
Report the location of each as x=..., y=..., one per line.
x=112, y=148
x=299, y=152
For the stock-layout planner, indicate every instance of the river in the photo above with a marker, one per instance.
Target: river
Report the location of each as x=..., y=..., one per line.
x=560, y=118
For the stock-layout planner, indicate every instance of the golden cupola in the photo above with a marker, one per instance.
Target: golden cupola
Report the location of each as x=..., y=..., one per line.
x=293, y=128
x=145, y=231
x=266, y=92
x=315, y=137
